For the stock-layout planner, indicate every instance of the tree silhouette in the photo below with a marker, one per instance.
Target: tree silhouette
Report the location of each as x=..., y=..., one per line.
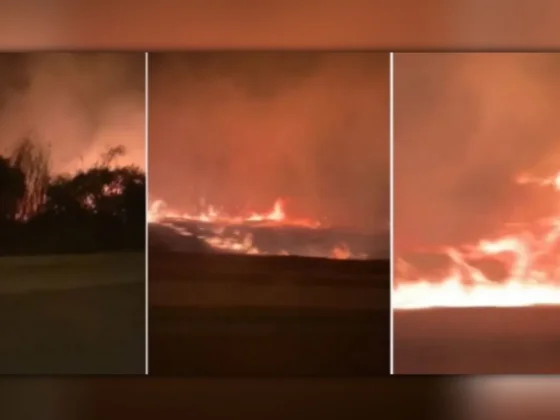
x=102, y=208
x=33, y=161
x=12, y=189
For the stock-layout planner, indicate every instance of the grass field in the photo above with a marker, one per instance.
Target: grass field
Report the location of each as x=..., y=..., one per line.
x=478, y=341
x=267, y=316
x=80, y=314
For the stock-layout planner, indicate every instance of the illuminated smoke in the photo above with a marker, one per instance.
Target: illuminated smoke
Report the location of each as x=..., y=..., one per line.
x=466, y=125
x=238, y=130
x=476, y=180
x=75, y=104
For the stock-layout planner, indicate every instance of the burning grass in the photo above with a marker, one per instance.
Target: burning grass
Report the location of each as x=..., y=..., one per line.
x=517, y=267
x=272, y=232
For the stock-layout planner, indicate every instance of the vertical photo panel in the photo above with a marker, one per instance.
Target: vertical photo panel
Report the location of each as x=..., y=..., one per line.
x=476, y=222
x=72, y=213
x=269, y=213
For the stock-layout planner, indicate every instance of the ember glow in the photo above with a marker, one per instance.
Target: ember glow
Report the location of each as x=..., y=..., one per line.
x=234, y=233
x=526, y=257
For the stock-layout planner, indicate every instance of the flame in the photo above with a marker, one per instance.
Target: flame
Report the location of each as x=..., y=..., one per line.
x=530, y=256
x=238, y=242
x=276, y=215
x=340, y=252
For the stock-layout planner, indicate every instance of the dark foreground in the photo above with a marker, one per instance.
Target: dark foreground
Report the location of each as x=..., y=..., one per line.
x=151, y=398
x=478, y=341
x=73, y=314
x=267, y=316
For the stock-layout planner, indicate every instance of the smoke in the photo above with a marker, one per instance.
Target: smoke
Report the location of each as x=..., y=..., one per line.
x=466, y=125
x=76, y=105
x=240, y=129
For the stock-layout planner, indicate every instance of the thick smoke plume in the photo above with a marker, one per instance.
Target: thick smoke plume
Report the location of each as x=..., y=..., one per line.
x=466, y=125
x=73, y=105
x=240, y=129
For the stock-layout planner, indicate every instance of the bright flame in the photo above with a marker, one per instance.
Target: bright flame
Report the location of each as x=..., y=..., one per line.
x=531, y=257
x=276, y=215
x=237, y=242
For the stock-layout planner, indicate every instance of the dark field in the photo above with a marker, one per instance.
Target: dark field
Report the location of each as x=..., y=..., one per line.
x=222, y=315
x=478, y=341
x=144, y=397
x=82, y=314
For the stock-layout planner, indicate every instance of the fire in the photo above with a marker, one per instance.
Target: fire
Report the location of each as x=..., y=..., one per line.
x=215, y=223
x=530, y=256
x=276, y=215
x=340, y=252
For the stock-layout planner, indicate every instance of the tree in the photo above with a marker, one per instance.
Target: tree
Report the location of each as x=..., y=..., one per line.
x=101, y=208
x=33, y=161
x=12, y=189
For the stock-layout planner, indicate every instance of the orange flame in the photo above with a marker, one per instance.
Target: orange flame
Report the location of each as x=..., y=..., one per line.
x=530, y=255
x=276, y=215
x=158, y=213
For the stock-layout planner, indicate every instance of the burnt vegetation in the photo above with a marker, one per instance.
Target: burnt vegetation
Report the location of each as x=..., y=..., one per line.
x=99, y=209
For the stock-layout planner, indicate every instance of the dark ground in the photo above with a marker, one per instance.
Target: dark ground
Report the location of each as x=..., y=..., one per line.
x=477, y=341
x=222, y=315
x=73, y=314
x=144, y=397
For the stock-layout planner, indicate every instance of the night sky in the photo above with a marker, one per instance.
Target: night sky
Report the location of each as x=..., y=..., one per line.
x=239, y=129
x=77, y=103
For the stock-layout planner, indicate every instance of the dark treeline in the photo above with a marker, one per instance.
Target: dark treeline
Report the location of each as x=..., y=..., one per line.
x=99, y=209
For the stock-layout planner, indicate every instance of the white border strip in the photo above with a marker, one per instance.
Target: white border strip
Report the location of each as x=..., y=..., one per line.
x=146, y=255
x=391, y=203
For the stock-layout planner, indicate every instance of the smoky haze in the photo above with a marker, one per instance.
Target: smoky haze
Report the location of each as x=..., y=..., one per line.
x=240, y=129
x=466, y=125
x=75, y=104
